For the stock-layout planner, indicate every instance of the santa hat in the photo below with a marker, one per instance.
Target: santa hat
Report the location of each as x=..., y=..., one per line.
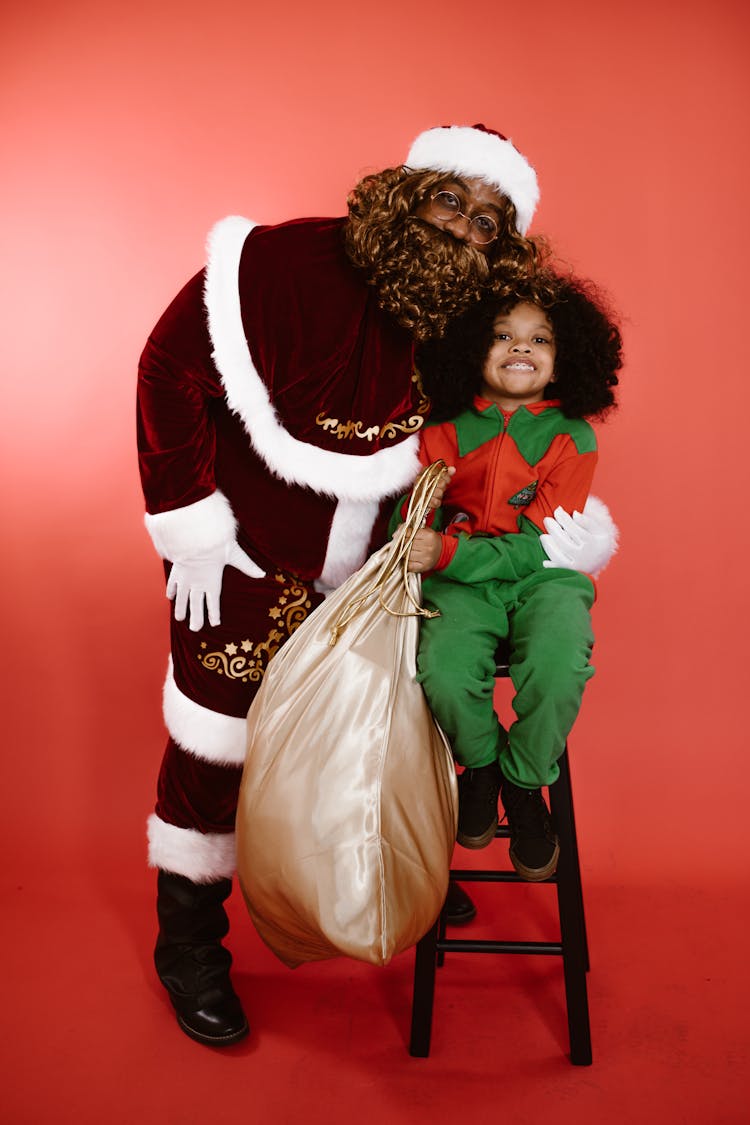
x=477, y=151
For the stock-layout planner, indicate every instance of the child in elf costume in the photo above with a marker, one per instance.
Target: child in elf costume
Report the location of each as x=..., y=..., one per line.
x=510, y=387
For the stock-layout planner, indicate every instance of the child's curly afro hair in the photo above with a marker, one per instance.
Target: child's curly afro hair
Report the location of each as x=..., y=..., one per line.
x=587, y=340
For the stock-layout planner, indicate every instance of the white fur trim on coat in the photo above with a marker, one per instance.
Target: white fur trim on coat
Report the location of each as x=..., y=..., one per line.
x=343, y=475
x=202, y=857
x=472, y=152
x=347, y=543
x=205, y=734
x=190, y=531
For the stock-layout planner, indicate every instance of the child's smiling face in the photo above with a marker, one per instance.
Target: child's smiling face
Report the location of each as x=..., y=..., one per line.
x=521, y=361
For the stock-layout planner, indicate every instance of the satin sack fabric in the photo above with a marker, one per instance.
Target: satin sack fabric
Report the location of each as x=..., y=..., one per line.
x=348, y=806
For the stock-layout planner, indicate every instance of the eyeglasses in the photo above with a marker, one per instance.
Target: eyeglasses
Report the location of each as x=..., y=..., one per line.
x=445, y=205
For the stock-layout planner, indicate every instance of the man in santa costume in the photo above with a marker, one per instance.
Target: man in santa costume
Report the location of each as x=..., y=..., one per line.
x=278, y=408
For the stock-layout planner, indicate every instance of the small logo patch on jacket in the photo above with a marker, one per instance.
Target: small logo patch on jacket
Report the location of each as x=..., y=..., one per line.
x=524, y=496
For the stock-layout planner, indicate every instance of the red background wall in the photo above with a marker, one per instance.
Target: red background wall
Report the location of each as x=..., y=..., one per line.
x=127, y=130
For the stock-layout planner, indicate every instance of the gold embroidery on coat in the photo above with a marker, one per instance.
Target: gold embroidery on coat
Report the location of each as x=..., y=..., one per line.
x=356, y=429
x=291, y=609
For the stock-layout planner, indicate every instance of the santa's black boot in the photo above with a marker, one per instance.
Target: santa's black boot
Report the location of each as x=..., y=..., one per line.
x=192, y=963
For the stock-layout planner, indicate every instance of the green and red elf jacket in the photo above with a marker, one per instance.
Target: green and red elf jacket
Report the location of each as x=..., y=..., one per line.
x=512, y=470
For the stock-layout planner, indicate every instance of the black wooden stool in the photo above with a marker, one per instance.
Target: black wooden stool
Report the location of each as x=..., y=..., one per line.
x=572, y=946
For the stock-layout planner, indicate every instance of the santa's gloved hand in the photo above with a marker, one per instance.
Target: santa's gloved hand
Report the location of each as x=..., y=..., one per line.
x=584, y=541
x=191, y=581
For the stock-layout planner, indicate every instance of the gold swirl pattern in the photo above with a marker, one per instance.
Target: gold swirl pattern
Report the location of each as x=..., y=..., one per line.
x=348, y=429
x=390, y=429
x=247, y=661
x=357, y=429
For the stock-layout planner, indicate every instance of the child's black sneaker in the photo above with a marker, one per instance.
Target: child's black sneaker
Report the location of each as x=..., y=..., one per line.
x=534, y=847
x=478, y=791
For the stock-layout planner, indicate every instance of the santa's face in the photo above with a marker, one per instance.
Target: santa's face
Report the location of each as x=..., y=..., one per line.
x=465, y=208
x=428, y=242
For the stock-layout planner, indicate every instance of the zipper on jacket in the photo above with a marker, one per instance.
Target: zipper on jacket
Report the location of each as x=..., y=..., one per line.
x=498, y=444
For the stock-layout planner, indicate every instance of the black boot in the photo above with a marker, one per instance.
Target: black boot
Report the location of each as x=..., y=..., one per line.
x=478, y=790
x=192, y=963
x=534, y=847
x=459, y=908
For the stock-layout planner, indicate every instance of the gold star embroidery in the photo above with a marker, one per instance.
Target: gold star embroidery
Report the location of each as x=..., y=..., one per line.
x=230, y=649
x=246, y=646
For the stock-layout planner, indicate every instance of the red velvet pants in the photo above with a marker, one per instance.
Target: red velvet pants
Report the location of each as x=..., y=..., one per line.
x=213, y=678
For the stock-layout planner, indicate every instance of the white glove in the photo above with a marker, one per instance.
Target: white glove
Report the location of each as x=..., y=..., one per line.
x=584, y=541
x=192, y=580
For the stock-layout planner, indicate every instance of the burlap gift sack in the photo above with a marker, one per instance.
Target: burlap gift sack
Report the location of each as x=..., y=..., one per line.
x=347, y=812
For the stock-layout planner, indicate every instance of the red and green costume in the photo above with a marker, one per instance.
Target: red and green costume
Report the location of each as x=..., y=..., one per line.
x=512, y=470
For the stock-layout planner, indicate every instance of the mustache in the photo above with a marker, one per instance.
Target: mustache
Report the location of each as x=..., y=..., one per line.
x=438, y=248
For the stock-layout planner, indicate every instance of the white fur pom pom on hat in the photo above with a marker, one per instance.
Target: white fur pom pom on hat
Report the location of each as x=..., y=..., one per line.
x=476, y=151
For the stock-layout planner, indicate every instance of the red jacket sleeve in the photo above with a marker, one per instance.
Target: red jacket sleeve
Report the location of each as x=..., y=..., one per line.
x=566, y=485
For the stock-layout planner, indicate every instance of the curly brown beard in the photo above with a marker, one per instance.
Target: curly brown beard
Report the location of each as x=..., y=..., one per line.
x=423, y=276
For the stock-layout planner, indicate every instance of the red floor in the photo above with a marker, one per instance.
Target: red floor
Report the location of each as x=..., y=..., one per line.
x=91, y=1038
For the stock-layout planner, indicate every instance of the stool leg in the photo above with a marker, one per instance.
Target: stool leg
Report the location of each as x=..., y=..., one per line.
x=423, y=995
x=441, y=924
x=576, y=865
x=572, y=923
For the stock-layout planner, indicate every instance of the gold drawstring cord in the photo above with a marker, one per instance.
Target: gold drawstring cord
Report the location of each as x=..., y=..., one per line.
x=416, y=513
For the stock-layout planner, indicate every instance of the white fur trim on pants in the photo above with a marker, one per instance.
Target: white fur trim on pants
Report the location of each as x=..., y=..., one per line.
x=208, y=735
x=201, y=857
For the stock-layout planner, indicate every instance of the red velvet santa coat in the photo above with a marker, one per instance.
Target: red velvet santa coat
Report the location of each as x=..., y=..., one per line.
x=284, y=390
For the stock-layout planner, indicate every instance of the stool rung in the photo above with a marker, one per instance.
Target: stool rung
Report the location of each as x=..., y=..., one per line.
x=463, y=945
x=472, y=875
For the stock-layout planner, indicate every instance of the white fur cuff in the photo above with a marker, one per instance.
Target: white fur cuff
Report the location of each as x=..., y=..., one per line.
x=202, y=857
x=205, y=734
x=596, y=510
x=193, y=530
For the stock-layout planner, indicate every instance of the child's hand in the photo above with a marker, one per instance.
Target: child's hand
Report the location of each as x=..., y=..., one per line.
x=425, y=551
x=443, y=482
x=445, y=479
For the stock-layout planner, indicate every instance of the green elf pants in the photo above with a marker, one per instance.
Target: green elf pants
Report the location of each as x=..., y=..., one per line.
x=546, y=619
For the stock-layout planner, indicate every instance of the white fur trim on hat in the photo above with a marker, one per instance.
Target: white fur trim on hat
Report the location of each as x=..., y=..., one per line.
x=473, y=152
x=202, y=857
x=205, y=734
x=344, y=475
x=193, y=529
